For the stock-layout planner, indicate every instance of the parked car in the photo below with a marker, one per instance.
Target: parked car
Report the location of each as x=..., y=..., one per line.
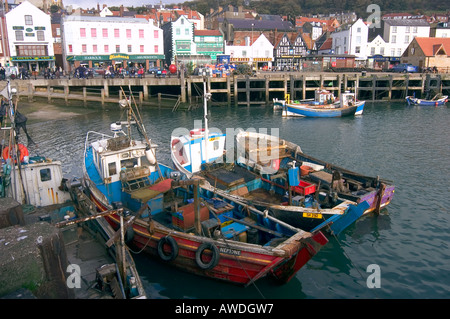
x=153, y=70
x=405, y=67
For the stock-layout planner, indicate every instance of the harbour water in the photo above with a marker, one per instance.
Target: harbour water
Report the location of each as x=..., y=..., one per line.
x=409, y=241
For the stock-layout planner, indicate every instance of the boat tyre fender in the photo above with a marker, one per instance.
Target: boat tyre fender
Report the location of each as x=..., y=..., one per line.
x=173, y=248
x=214, y=257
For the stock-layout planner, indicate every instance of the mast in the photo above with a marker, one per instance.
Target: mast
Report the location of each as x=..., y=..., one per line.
x=205, y=109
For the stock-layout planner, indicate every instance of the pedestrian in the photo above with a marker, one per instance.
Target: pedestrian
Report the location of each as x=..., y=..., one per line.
x=21, y=122
x=3, y=105
x=2, y=73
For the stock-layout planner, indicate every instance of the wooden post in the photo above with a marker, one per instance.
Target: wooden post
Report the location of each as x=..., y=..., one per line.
x=48, y=93
x=390, y=87
x=145, y=88
x=266, y=79
x=106, y=87
x=303, y=87
x=84, y=94
x=66, y=93
x=102, y=93
x=141, y=98
x=235, y=91
x=30, y=92
x=374, y=85
x=159, y=100
x=183, y=87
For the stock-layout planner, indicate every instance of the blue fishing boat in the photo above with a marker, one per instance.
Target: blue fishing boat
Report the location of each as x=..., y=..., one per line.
x=325, y=105
x=437, y=100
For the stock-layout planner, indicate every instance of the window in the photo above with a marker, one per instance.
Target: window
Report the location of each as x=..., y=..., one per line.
x=406, y=39
x=118, y=48
x=358, y=30
x=141, y=33
x=82, y=32
x=394, y=29
x=19, y=35
x=94, y=48
x=106, y=48
x=186, y=31
x=141, y=48
x=394, y=39
x=177, y=31
x=128, y=33
x=31, y=50
x=112, y=170
x=156, y=34
x=105, y=32
x=70, y=48
x=84, y=48
x=414, y=30
x=93, y=32
x=357, y=49
x=58, y=31
x=46, y=174
x=392, y=52
x=408, y=29
x=372, y=51
x=382, y=51
x=182, y=21
x=117, y=33
x=40, y=35
x=156, y=48
x=244, y=53
x=129, y=48
x=358, y=39
x=28, y=20
x=399, y=52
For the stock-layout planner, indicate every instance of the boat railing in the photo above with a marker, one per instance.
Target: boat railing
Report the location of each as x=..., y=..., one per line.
x=89, y=136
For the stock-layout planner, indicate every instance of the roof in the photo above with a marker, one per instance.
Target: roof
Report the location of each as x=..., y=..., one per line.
x=327, y=45
x=207, y=32
x=407, y=22
x=249, y=24
x=104, y=19
x=430, y=46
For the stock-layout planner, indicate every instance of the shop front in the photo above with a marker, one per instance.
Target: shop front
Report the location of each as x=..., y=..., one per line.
x=33, y=63
x=116, y=60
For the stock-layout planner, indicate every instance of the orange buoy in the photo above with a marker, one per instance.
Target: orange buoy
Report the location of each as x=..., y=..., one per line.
x=23, y=151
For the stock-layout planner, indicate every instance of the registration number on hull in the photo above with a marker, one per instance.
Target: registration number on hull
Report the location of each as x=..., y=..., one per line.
x=312, y=215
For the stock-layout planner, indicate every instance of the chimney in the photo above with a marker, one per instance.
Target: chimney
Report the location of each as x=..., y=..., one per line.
x=121, y=10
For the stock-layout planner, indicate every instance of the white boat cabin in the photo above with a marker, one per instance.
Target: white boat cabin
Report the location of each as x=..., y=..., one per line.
x=112, y=155
x=323, y=97
x=189, y=152
x=347, y=99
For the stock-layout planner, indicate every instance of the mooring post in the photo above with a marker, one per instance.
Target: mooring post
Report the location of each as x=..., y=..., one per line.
x=303, y=87
x=30, y=92
x=48, y=93
x=102, y=93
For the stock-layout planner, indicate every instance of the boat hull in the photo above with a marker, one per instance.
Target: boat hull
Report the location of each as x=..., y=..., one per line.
x=306, y=110
x=415, y=101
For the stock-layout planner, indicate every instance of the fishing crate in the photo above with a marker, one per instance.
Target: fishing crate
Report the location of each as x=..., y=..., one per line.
x=184, y=218
x=305, y=188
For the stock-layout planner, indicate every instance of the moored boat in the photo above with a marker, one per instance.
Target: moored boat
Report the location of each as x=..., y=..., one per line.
x=211, y=236
x=325, y=104
x=437, y=100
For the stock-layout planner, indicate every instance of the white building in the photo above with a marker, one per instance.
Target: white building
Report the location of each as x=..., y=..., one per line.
x=111, y=40
x=351, y=39
x=400, y=32
x=258, y=53
x=30, y=37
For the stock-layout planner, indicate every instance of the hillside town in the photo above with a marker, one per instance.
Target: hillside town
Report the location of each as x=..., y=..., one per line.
x=40, y=35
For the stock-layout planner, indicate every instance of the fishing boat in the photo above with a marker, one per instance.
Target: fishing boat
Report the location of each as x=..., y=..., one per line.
x=325, y=104
x=32, y=180
x=437, y=100
x=275, y=176
x=211, y=236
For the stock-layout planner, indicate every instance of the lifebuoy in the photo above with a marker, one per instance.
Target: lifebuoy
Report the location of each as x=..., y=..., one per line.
x=173, y=248
x=198, y=131
x=214, y=257
x=23, y=151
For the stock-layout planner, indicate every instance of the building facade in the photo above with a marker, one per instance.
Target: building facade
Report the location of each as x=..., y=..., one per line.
x=400, y=32
x=179, y=40
x=100, y=41
x=209, y=43
x=351, y=39
x=428, y=52
x=30, y=37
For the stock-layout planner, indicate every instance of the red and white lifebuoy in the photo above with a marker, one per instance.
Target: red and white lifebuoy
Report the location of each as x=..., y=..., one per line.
x=23, y=151
x=197, y=132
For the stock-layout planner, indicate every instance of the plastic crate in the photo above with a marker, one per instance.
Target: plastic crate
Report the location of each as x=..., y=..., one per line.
x=305, y=188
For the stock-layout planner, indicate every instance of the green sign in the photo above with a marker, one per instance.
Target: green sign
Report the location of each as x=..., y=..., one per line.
x=18, y=28
x=29, y=34
x=32, y=58
x=39, y=28
x=116, y=56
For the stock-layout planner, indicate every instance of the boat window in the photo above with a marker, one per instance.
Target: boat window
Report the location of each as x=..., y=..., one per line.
x=216, y=145
x=129, y=163
x=45, y=174
x=112, y=169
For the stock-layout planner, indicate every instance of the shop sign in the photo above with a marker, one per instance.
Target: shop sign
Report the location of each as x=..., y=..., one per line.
x=119, y=56
x=32, y=58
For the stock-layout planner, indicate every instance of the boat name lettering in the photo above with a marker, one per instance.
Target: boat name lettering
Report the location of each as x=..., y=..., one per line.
x=230, y=251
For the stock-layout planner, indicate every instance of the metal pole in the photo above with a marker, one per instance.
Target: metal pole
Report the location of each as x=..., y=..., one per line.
x=205, y=109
